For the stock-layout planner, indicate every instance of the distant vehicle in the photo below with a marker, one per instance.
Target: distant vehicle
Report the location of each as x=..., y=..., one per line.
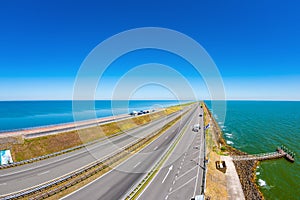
x=141, y=112
x=134, y=113
x=200, y=115
x=198, y=197
x=196, y=128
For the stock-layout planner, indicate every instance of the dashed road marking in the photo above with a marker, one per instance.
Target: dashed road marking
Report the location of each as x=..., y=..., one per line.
x=46, y=172
x=187, y=172
x=137, y=164
x=182, y=185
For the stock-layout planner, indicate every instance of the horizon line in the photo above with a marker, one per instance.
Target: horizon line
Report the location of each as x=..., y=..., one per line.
x=2, y=100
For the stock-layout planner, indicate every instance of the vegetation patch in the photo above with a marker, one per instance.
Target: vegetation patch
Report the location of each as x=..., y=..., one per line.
x=108, y=166
x=43, y=145
x=215, y=179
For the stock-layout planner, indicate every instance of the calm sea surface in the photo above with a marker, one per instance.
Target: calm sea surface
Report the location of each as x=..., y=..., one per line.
x=251, y=126
x=261, y=126
x=16, y=115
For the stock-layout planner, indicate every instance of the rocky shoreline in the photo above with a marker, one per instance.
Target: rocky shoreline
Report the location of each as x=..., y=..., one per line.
x=247, y=174
x=246, y=170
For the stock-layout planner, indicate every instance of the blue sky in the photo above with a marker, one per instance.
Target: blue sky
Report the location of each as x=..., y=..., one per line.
x=255, y=45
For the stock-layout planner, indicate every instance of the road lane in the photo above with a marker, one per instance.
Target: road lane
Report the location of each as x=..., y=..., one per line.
x=21, y=177
x=117, y=182
x=185, y=180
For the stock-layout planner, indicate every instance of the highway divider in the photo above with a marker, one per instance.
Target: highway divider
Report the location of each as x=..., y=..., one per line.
x=59, y=184
x=14, y=164
x=134, y=193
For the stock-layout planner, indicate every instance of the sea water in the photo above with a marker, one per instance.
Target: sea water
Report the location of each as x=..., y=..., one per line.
x=18, y=115
x=260, y=126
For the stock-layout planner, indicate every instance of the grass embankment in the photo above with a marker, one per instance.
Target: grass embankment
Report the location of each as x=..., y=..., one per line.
x=215, y=179
x=128, y=153
x=39, y=146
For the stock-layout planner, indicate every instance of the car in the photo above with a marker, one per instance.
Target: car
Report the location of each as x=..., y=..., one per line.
x=200, y=115
x=196, y=128
x=198, y=197
x=134, y=113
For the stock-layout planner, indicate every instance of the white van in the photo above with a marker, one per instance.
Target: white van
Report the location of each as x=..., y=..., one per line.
x=196, y=128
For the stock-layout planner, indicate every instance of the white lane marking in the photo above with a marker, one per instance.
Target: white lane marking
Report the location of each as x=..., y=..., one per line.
x=170, y=190
x=46, y=172
x=170, y=168
x=167, y=197
x=173, y=182
x=3, y=183
x=155, y=148
x=194, y=159
x=160, y=170
x=122, y=163
x=197, y=171
x=166, y=137
x=182, y=186
x=137, y=164
x=75, y=153
x=187, y=172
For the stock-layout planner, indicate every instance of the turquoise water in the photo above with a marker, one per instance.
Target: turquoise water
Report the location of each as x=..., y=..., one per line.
x=261, y=126
x=251, y=126
x=15, y=115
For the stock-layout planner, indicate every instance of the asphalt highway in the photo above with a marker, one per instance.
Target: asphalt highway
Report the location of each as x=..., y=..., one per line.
x=119, y=181
x=182, y=175
x=25, y=176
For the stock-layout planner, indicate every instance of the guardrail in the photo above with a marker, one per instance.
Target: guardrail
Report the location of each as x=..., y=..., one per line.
x=132, y=194
x=14, y=164
x=48, y=155
x=204, y=159
x=85, y=171
x=102, y=164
